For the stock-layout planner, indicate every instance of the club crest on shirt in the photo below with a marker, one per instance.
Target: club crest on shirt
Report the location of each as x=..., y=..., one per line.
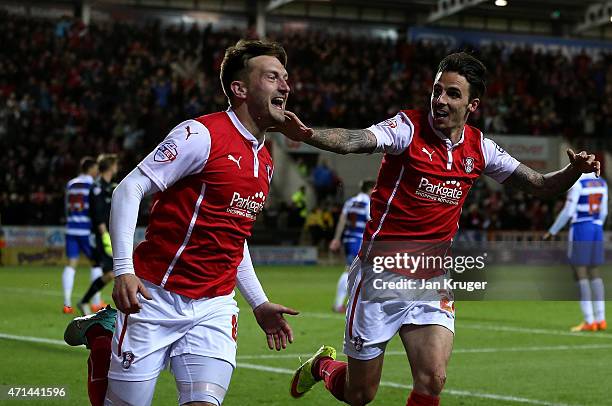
x=166, y=152
x=468, y=164
x=391, y=123
x=357, y=343
x=128, y=358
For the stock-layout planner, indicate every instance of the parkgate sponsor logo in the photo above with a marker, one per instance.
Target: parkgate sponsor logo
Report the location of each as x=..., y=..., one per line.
x=248, y=206
x=448, y=192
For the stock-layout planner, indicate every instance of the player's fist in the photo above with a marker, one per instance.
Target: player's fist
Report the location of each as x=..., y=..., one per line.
x=334, y=245
x=547, y=236
x=584, y=162
x=293, y=128
x=107, y=245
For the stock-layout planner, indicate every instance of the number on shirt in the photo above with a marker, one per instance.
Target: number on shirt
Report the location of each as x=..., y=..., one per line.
x=235, y=327
x=595, y=203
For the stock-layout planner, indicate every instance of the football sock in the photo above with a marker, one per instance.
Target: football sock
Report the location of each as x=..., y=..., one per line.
x=94, y=288
x=341, y=290
x=67, y=284
x=96, y=272
x=421, y=399
x=585, y=300
x=599, y=304
x=333, y=374
x=99, y=340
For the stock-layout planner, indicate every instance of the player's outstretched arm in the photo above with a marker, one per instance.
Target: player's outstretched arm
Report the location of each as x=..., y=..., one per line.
x=554, y=183
x=339, y=140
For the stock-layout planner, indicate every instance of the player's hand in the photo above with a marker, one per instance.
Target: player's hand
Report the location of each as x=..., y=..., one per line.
x=270, y=318
x=584, y=162
x=293, y=128
x=107, y=245
x=547, y=236
x=334, y=245
x=125, y=293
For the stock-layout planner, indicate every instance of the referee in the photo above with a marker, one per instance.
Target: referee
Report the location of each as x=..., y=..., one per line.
x=100, y=206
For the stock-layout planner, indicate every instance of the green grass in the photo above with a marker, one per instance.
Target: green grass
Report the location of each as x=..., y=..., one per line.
x=514, y=349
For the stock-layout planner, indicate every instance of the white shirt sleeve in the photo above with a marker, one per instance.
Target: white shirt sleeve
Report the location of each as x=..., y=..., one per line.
x=183, y=152
x=498, y=163
x=568, y=209
x=394, y=135
x=124, y=215
x=247, y=281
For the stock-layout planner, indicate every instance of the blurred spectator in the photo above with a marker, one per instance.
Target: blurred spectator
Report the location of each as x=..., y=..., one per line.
x=68, y=90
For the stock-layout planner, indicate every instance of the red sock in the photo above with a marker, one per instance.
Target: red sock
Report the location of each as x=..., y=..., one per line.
x=333, y=374
x=420, y=399
x=97, y=366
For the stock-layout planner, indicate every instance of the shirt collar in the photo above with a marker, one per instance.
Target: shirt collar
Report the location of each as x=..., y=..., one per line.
x=242, y=129
x=443, y=137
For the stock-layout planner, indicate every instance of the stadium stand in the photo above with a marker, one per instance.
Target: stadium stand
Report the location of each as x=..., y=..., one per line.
x=67, y=89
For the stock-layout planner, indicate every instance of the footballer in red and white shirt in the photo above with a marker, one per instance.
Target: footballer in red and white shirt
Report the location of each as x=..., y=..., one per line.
x=175, y=292
x=431, y=160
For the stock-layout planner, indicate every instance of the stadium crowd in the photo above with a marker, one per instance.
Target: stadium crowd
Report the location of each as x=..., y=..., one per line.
x=67, y=90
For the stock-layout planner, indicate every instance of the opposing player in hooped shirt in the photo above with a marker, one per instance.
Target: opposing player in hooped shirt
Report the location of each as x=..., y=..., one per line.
x=431, y=160
x=175, y=294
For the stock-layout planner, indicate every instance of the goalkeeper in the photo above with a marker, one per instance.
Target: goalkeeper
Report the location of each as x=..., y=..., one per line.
x=100, y=201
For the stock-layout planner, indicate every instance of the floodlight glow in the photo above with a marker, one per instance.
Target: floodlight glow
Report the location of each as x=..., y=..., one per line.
x=501, y=3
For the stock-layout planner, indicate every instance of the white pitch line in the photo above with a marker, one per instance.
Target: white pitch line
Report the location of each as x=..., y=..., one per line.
x=395, y=385
x=455, y=351
x=285, y=371
x=488, y=327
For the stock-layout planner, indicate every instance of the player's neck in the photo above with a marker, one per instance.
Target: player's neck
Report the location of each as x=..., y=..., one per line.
x=107, y=177
x=453, y=134
x=249, y=123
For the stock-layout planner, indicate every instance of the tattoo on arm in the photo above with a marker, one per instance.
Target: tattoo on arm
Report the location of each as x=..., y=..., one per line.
x=343, y=141
x=548, y=185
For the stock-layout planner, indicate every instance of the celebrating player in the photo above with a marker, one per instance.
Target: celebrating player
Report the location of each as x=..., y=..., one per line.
x=100, y=206
x=431, y=160
x=587, y=207
x=350, y=227
x=78, y=226
x=175, y=294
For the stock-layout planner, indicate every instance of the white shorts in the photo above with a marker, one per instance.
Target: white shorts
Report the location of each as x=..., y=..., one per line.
x=169, y=325
x=371, y=324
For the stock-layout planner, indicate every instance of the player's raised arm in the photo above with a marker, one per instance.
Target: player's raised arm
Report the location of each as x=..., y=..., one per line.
x=390, y=136
x=554, y=183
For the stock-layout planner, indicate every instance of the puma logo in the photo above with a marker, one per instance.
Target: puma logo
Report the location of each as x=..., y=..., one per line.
x=237, y=161
x=189, y=133
x=428, y=153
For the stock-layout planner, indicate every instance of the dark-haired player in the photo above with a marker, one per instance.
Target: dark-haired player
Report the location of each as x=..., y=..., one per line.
x=78, y=226
x=431, y=160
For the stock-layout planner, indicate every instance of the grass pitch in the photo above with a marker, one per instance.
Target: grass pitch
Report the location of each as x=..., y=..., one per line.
x=505, y=352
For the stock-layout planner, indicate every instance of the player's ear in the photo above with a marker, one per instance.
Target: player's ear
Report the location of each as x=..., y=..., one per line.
x=473, y=105
x=239, y=89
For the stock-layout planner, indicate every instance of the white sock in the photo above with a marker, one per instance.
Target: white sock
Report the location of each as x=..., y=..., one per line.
x=599, y=304
x=341, y=290
x=96, y=272
x=67, y=284
x=585, y=300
